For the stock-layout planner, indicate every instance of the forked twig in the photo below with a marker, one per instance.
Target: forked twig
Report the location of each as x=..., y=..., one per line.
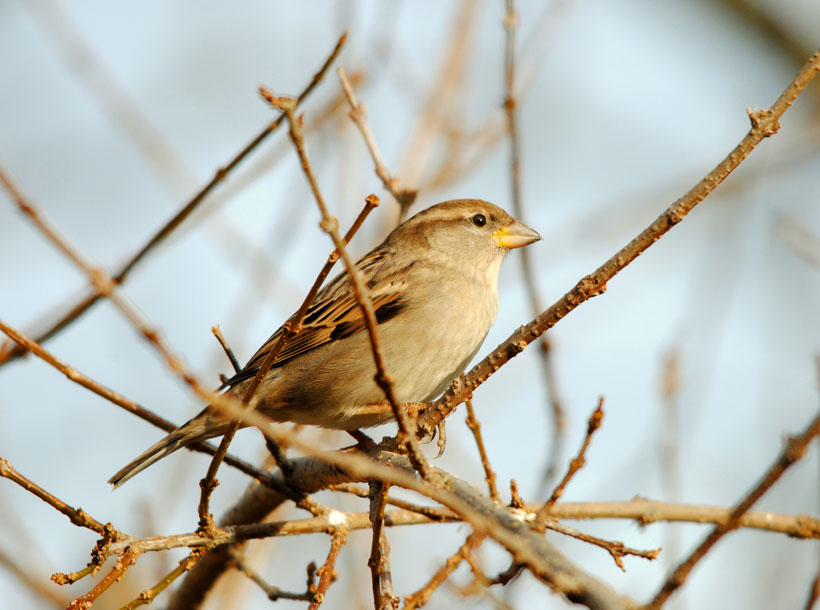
x=404, y=197
x=616, y=549
x=327, y=572
x=125, y=561
x=148, y=596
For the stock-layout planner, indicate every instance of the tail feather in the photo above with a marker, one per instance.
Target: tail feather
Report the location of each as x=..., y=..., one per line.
x=198, y=429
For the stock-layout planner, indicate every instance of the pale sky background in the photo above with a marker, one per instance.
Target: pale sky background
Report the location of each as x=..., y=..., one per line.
x=632, y=103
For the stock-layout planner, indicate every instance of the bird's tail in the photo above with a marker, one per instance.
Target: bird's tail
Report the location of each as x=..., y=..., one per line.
x=200, y=428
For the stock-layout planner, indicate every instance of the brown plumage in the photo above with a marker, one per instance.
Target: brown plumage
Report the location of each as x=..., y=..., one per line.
x=434, y=287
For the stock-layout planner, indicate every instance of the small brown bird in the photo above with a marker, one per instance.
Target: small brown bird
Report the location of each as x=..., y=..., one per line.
x=434, y=287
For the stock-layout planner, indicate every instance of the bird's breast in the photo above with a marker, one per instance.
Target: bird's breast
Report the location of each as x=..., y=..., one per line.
x=427, y=347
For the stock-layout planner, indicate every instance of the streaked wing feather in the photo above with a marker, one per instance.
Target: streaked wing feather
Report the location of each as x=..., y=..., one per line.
x=335, y=313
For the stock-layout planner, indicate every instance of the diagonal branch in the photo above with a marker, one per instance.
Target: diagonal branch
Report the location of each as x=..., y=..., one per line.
x=404, y=197
x=118, y=399
x=793, y=452
x=575, y=464
x=764, y=124
x=76, y=515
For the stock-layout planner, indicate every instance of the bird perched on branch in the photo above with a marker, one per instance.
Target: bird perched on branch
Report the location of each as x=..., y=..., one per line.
x=434, y=287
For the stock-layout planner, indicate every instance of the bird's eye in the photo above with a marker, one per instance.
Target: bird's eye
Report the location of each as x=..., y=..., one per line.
x=479, y=220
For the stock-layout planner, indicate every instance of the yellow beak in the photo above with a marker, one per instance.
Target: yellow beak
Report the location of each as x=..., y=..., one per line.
x=515, y=235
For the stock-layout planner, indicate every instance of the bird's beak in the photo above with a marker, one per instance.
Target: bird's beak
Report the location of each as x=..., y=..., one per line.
x=515, y=235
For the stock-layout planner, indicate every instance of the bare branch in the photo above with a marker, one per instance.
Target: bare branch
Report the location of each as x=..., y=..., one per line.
x=422, y=596
x=764, y=124
x=125, y=561
x=226, y=348
x=474, y=425
x=120, y=400
x=404, y=197
x=641, y=511
x=275, y=593
x=148, y=596
x=794, y=451
x=327, y=572
x=379, y=563
x=77, y=516
x=575, y=464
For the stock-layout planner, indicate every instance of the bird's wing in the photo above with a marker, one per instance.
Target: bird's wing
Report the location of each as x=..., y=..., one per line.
x=336, y=314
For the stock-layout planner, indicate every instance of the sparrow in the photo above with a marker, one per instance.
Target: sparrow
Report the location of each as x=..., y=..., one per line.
x=434, y=286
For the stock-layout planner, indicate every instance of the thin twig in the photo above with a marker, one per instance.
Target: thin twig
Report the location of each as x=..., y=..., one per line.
x=404, y=197
x=330, y=225
x=814, y=593
x=125, y=561
x=794, y=451
x=327, y=572
x=121, y=401
x=474, y=425
x=6, y=354
x=616, y=549
x=291, y=328
x=422, y=596
x=379, y=563
x=764, y=124
x=77, y=516
x=575, y=464
x=226, y=348
x=148, y=596
x=434, y=513
x=60, y=578
x=275, y=593
x=105, y=284
x=643, y=512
